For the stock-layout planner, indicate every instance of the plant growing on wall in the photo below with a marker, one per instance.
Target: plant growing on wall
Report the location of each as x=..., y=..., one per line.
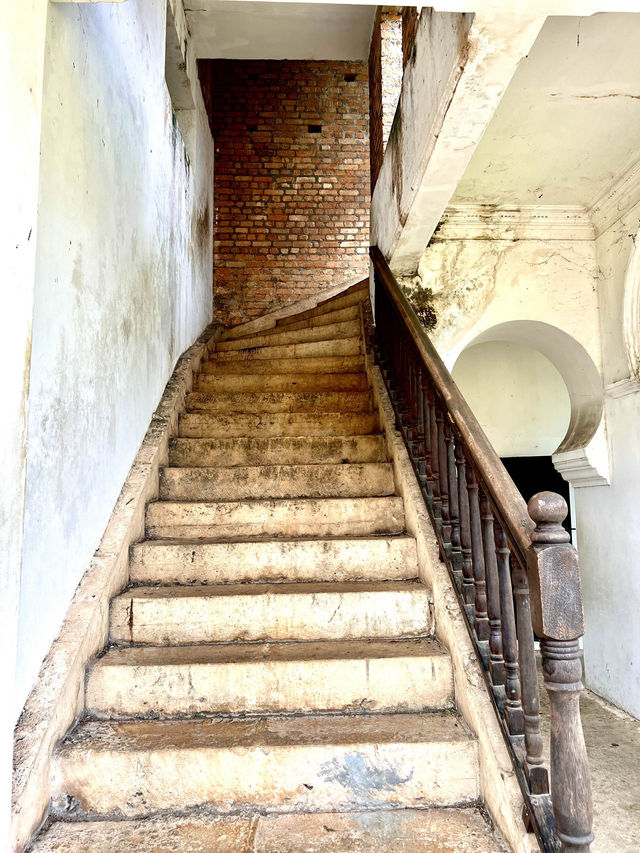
x=421, y=299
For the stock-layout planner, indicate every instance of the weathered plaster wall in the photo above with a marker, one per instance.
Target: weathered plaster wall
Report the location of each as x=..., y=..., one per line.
x=22, y=33
x=517, y=395
x=123, y=286
x=608, y=529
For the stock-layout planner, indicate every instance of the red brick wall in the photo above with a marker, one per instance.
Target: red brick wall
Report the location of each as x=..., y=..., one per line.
x=375, y=101
x=291, y=206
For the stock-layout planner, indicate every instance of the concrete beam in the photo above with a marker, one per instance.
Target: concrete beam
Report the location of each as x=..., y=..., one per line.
x=460, y=70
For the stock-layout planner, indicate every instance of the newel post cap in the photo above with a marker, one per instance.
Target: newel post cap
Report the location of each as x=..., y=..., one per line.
x=553, y=572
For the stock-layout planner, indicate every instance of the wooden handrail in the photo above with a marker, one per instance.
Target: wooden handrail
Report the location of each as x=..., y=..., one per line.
x=512, y=564
x=504, y=494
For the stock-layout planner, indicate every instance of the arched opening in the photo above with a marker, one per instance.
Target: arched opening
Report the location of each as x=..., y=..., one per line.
x=538, y=395
x=631, y=311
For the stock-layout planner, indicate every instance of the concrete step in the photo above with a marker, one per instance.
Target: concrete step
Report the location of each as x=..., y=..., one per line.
x=275, y=518
x=447, y=830
x=286, y=763
x=276, y=481
x=281, y=336
x=292, y=450
x=179, y=615
x=249, y=402
x=278, y=424
x=357, y=676
x=321, y=364
x=337, y=315
x=298, y=382
x=373, y=559
x=315, y=349
x=347, y=300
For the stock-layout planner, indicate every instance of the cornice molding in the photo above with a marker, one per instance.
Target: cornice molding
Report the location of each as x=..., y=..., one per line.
x=617, y=199
x=510, y=222
x=574, y=467
x=623, y=388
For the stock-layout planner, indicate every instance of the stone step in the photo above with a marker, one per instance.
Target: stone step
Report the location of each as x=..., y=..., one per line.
x=315, y=349
x=286, y=763
x=373, y=559
x=250, y=402
x=446, y=830
x=336, y=315
x=277, y=424
x=298, y=382
x=347, y=300
x=182, y=615
x=271, y=678
x=282, y=336
x=321, y=364
x=293, y=450
x=275, y=518
x=276, y=481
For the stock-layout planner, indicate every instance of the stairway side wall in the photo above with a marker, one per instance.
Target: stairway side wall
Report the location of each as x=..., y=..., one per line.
x=122, y=288
x=291, y=181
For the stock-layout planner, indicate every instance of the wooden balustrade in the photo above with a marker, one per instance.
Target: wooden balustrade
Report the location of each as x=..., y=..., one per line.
x=514, y=568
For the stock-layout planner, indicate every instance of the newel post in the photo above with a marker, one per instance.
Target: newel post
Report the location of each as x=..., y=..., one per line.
x=556, y=612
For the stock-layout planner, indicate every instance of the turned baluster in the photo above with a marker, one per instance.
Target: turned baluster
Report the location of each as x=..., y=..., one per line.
x=481, y=621
x=424, y=382
x=443, y=474
x=556, y=605
x=537, y=775
x=513, y=709
x=496, y=661
x=454, y=510
x=434, y=458
x=468, y=588
x=419, y=444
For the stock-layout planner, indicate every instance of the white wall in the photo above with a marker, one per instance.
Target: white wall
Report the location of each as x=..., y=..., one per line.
x=123, y=286
x=517, y=395
x=22, y=32
x=608, y=518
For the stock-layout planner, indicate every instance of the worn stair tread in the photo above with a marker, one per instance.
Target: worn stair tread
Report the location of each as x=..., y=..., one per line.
x=277, y=481
x=258, y=678
x=337, y=315
x=252, y=402
x=355, y=558
x=284, y=517
x=279, y=382
x=283, y=335
x=288, y=450
x=447, y=830
x=165, y=615
x=309, y=364
x=329, y=347
x=280, y=424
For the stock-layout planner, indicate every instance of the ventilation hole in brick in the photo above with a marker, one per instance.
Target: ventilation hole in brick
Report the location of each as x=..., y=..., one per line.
x=252, y=127
x=314, y=128
x=350, y=78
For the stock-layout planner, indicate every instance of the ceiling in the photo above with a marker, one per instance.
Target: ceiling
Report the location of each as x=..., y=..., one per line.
x=569, y=123
x=256, y=30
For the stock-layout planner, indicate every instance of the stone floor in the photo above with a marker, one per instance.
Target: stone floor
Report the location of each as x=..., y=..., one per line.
x=613, y=745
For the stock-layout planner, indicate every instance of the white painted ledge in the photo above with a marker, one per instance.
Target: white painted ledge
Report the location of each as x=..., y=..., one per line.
x=88, y=1
x=576, y=468
x=623, y=388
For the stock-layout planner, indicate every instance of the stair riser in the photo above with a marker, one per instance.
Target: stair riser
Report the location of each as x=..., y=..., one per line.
x=346, y=301
x=201, y=425
x=285, y=778
x=280, y=337
x=347, y=346
x=293, y=383
x=236, y=562
x=387, y=684
x=275, y=403
x=270, y=617
x=310, y=365
x=287, y=481
x=286, y=519
x=207, y=453
x=341, y=315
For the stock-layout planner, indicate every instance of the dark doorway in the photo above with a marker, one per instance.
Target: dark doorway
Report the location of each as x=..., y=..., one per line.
x=533, y=474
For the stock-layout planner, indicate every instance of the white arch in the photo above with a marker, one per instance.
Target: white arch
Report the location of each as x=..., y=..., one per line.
x=582, y=457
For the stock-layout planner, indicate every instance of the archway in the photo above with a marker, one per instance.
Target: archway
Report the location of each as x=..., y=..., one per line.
x=631, y=310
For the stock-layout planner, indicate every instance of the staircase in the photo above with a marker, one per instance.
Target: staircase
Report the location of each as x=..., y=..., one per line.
x=274, y=681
